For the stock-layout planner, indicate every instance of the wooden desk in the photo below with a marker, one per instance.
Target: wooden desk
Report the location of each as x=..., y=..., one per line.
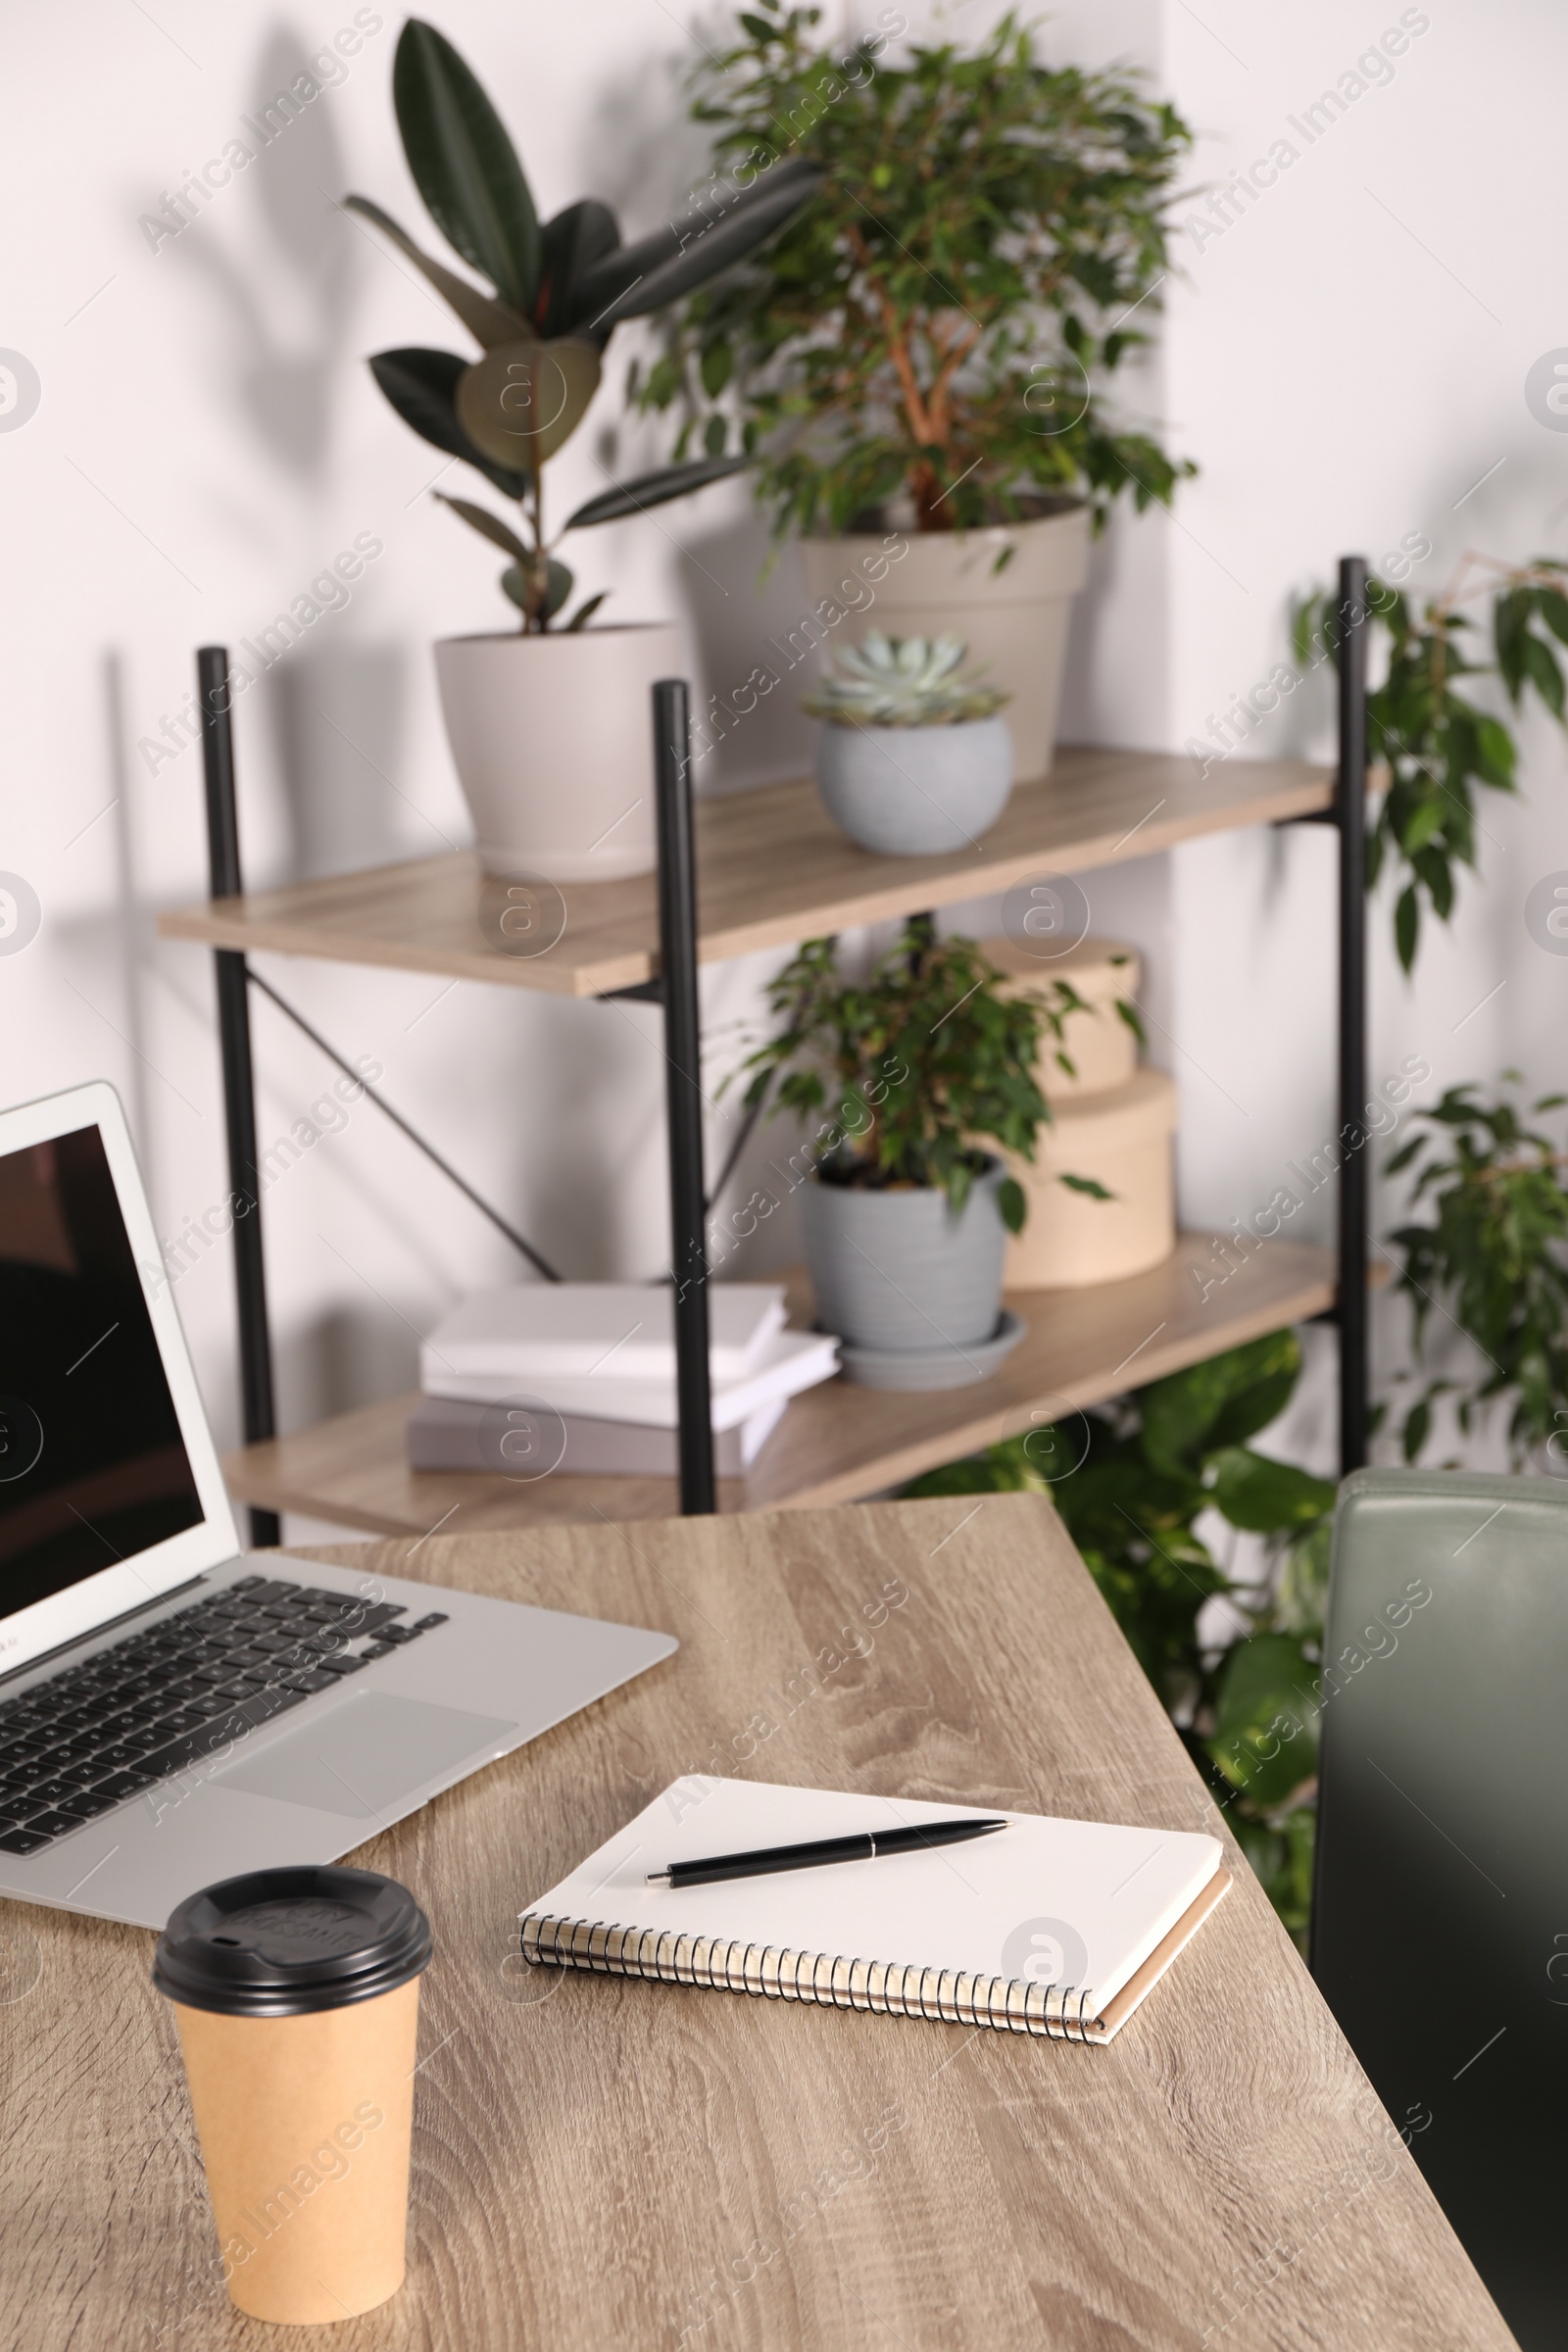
x=603, y=2165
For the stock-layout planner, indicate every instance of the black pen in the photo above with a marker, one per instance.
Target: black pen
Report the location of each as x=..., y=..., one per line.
x=869, y=1847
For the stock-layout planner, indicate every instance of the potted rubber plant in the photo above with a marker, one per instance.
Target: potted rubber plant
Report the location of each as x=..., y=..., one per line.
x=920, y=358
x=905, y=1213
x=914, y=757
x=549, y=723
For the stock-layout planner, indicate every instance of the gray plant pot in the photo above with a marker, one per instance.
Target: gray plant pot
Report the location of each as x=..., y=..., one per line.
x=898, y=1270
x=915, y=792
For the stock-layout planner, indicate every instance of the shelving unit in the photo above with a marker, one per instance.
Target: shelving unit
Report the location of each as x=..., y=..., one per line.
x=751, y=871
x=836, y=1443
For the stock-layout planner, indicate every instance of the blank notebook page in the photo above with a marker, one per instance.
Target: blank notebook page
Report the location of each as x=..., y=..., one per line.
x=1043, y=1901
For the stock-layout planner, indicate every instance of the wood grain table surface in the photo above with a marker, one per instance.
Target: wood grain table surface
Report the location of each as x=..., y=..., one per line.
x=604, y=2164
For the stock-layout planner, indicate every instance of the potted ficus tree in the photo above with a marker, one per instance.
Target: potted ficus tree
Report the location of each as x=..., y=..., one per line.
x=905, y=1213
x=924, y=348
x=549, y=724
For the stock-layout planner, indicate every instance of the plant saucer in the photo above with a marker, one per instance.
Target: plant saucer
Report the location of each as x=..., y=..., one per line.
x=948, y=1367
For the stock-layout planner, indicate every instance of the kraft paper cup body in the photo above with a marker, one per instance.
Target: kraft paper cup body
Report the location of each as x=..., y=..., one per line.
x=304, y=2124
x=304, y=2112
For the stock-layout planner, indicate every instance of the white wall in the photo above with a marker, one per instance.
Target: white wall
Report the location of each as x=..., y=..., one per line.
x=1348, y=360
x=1345, y=362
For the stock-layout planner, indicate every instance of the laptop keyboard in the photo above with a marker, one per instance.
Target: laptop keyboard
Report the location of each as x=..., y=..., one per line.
x=96, y=1734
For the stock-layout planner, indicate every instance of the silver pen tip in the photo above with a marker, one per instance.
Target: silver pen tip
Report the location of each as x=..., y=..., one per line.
x=657, y=1877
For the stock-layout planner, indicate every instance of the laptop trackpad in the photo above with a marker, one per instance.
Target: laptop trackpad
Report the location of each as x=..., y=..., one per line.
x=364, y=1757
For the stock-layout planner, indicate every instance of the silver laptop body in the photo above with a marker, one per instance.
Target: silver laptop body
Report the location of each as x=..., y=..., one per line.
x=346, y=1700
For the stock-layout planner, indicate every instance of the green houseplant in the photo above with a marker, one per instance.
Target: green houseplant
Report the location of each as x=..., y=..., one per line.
x=905, y=1213
x=926, y=344
x=914, y=757
x=1129, y=1480
x=1493, y=1256
x=1436, y=749
x=1493, y=1261
x=548, y=726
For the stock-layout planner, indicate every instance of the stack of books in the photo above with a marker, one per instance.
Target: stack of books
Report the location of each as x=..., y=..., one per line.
x=580, y=1377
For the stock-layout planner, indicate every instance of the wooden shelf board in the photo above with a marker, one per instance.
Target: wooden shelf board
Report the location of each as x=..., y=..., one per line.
x=836, y=1443
x=772, y=868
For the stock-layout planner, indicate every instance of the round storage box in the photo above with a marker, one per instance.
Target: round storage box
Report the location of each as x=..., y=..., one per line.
x=1101, y=1048
x=1123, y=1141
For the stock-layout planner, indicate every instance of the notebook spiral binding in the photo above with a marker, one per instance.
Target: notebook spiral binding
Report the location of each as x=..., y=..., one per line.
x=1051, y=2012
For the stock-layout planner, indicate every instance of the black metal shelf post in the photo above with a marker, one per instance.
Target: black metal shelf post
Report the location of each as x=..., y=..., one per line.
x=683, y=1091
x=239, y=1088
x=1356, y=1142
x=1347, y=815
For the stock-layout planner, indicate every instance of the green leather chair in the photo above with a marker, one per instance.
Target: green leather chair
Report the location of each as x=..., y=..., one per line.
x=1439, y=1922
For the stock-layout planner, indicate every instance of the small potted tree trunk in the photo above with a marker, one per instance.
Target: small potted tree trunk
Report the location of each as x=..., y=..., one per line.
x=905, y=1213
x=549, y=724
x=924, y=348
x=914, y=758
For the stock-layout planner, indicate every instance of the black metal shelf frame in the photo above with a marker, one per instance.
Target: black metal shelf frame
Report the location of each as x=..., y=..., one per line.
x=675, y=989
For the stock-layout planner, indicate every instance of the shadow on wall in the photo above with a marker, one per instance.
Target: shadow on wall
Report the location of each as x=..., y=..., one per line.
x=338, y=716
x=128, y=917
x=752, y=652
x=640, y=152
x=284, y=350
x=342, y=1359
x=1124, y=602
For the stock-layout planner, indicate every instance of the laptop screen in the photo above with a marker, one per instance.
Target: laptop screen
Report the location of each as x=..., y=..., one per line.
x=93, y=1468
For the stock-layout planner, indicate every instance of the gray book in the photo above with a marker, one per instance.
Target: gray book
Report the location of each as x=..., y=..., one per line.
x=525, y=1440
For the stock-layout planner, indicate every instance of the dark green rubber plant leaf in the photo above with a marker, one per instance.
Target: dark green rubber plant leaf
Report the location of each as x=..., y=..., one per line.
x=655, y=489
x=463, y=163
x=517, y=583
x=522, y=403
x=570, y=245
x=562, y=580
x=423, y=386
x=489, y=320
x=489, y=526
x=685, y=254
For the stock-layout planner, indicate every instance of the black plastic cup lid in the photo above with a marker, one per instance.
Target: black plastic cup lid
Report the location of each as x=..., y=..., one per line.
x=283, y=1942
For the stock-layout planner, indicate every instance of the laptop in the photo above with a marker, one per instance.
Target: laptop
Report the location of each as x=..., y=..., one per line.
x=172, y=1711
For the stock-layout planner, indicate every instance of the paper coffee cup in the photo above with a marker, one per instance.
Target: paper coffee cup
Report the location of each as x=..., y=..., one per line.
x=297, y=1997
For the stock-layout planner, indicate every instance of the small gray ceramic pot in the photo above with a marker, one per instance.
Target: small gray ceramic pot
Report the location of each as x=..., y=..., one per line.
x=898, y=1270
x=915, y=792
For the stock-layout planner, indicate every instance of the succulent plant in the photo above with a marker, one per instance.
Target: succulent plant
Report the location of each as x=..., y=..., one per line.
x=556, y=290
x=904, y=682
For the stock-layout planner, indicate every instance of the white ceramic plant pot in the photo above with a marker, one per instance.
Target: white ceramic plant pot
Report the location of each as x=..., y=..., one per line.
x=553, y=739
x=915, y=792
x=1014, y=620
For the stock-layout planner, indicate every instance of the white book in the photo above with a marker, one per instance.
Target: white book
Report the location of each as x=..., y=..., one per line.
x=443, y=1432
x=580, y=1328
x=1050, y=1926
x=791, y=1362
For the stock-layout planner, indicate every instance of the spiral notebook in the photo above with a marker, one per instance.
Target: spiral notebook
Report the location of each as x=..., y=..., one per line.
x=1054, y=1928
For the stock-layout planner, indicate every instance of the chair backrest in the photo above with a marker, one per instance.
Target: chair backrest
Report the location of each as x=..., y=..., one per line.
x=1439, y=1931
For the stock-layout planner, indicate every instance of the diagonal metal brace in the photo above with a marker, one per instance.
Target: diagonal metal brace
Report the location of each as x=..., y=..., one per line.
x=541, y=1264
